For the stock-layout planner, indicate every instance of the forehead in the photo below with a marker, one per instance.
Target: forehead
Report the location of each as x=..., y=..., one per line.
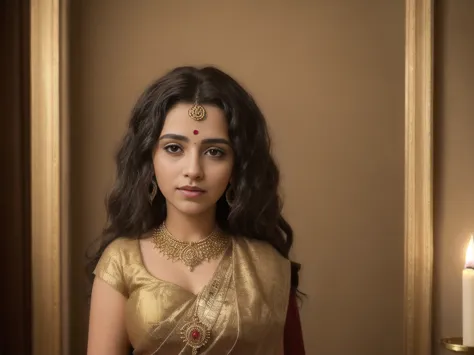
x=178, y=122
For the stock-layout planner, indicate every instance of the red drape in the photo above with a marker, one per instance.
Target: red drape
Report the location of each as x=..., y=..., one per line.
x=293, y=336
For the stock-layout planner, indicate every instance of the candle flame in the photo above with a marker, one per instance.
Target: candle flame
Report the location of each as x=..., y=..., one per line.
x=470, y=254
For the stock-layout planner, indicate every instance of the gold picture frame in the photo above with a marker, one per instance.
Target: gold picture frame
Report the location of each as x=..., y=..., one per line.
x=418, y=176
x=49, y=176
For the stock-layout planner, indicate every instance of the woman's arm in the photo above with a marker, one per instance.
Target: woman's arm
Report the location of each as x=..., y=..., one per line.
x=107, y=333
x=293, y=336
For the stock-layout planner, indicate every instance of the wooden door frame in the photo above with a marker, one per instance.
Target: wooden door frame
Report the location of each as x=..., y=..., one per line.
x=50, y=182
x=49, y=176
x=418, y=176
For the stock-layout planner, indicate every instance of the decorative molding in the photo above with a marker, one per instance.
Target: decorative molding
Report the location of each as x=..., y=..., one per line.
x=45, y=177
x=64, y=107
x=418, y=177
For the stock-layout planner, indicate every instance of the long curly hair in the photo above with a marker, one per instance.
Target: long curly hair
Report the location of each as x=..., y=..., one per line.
x=256, y=207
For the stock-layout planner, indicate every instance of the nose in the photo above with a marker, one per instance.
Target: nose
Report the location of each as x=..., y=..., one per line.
x=193, y=168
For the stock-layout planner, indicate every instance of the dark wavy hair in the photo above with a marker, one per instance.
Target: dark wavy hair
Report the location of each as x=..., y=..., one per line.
x=256, y=207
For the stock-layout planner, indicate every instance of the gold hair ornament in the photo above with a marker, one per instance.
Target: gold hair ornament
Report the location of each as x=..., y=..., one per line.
x=197, y=112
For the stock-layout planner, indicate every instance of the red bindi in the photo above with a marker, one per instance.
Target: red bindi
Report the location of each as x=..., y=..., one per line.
x=196, y=132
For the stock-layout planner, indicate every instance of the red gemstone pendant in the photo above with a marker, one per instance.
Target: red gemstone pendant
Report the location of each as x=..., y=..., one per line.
x=195, y=334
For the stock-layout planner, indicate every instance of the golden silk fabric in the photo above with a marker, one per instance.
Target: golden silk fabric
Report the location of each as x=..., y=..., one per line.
x=244, y=304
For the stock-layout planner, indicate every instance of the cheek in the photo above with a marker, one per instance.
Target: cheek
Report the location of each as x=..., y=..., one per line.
x=162, y=161
x=163, y=171
x=159, y=165
x=221, y=174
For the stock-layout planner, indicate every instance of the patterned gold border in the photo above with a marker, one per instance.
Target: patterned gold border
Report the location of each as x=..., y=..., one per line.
x=418, y=177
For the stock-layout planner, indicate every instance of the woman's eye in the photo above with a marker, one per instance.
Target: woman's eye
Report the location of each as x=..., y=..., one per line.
x=173, y=148
x=213, y=152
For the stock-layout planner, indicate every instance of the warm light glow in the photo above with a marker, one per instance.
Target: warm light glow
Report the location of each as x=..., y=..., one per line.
x=470, y=254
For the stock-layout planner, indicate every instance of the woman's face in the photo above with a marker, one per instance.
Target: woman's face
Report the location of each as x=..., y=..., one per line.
x=193, y=160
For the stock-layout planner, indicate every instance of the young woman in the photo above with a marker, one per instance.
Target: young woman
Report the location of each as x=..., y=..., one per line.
x=194, y=259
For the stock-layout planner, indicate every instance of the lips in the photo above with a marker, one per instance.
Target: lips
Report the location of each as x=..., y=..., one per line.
x=191, y=189
x=191, y=192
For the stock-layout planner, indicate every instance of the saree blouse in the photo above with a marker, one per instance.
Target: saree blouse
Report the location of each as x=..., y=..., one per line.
x=244, y=305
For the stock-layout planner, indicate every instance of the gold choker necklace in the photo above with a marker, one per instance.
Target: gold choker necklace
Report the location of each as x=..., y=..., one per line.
x=190, y=254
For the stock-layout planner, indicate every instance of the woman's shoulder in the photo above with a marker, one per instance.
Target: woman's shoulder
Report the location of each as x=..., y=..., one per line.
x=114, y=263
x=123, y=244
x=260, y=250
x=267, y=268
x=122, y=249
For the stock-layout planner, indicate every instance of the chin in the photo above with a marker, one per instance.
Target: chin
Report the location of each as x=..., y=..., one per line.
x=193, y=208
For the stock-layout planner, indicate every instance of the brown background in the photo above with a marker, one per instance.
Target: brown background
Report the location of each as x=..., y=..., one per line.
x=454, y=160
x=15, y=260
x=329, y=75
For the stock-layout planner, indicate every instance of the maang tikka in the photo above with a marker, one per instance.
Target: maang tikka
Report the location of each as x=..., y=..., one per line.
x=197, y=112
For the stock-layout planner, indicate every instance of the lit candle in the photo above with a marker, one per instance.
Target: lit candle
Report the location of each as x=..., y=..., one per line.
x=468, y=296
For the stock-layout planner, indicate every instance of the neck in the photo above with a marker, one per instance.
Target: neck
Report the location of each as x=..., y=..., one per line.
x=190, y=228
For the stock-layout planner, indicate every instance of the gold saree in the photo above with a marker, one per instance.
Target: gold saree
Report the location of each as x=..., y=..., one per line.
x=243, y=306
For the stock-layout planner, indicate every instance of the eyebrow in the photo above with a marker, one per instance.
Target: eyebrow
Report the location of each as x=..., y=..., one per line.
x=179, y=137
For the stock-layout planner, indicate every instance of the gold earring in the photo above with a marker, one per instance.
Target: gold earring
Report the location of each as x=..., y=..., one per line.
x=154, y=191
x=228, y=198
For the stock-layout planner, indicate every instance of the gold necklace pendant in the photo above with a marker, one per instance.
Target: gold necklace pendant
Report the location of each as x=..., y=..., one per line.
x=190, y=254
x=195, y=334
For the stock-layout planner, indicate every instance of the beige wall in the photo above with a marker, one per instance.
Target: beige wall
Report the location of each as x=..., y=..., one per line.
x=454, y=160
x=329, y=75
